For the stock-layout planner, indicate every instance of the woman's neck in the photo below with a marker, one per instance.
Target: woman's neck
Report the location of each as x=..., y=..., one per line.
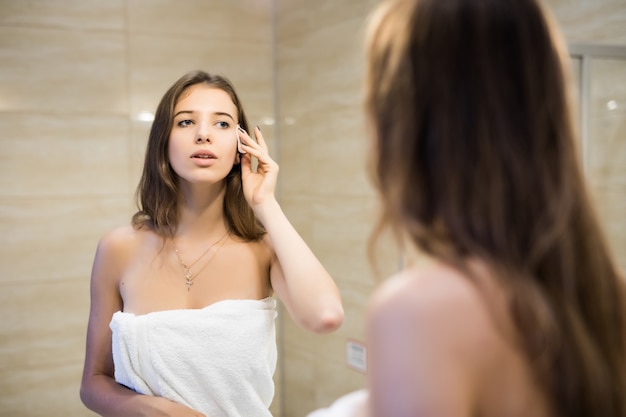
x=201, y=213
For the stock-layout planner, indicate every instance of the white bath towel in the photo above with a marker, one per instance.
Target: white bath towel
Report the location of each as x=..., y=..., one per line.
x=218, y=360
x=353, y=404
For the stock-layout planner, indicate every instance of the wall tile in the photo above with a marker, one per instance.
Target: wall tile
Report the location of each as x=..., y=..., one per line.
x=606, y=152
x=315, y=381
x=293, y=19
x=591, y=21
x=66, y=14
x=341, y=228
x=299, y=385
x=339, y=156
x=45, y=323
x=47, y=239
x=335, y=380
x=64, y=71
x=55, y=155
x=304, y=18
x=323, y=145
x=235, y=20
x=46, y=391
x=140, y=131
x=294, y=70
x=324, y=99
x=610, y=203
x=153, y=69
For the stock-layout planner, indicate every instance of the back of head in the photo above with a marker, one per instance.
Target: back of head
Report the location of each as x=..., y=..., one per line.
x=474, y=155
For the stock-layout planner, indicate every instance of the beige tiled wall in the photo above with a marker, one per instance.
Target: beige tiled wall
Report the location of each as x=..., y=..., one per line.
x=606, y=150
x=322, y=146
x=73, y=76
x=604, y=23
x=598, y=21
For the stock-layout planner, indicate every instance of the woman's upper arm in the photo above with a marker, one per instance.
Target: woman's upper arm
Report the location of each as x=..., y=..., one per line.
x=313, y=301
x=417, y=363
x=105, y=300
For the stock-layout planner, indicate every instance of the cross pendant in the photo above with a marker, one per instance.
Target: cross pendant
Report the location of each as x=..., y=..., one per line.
x=188, y=277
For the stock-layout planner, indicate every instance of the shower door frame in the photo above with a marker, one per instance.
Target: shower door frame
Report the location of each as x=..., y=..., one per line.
x=585, y=53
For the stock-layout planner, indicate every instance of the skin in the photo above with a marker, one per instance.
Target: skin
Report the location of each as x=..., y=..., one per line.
x=435, y=348
x=136, y=271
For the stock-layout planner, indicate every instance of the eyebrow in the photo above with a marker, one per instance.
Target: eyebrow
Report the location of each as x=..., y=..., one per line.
x=217, y=113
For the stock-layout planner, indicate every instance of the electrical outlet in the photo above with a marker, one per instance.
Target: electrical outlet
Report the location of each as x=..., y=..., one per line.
x=356, y=355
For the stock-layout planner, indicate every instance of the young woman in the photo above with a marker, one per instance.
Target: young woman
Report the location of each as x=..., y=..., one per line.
x=182, y=319
x=516, y=307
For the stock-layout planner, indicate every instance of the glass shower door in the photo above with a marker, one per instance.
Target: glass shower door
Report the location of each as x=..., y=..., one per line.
x=601, y=75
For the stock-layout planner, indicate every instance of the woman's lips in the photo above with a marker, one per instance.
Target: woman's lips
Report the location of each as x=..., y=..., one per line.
x=203, y=157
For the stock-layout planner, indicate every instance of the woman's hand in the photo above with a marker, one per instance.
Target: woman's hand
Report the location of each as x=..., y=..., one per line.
x=259, y=185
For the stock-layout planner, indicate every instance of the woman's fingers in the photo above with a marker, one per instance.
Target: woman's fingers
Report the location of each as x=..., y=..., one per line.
x=249, y=142
x=259, y=137
x=257, y=148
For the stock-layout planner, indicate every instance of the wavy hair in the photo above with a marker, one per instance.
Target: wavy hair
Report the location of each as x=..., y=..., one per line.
x=158, y=189
x=474, y=155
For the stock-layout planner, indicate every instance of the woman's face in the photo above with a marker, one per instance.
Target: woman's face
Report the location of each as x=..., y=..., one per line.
x=203, y=141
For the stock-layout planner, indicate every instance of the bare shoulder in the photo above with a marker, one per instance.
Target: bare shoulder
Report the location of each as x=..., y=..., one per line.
x=428, y=327
x=119, y=245
x=437, y=307
x=437, y=293
x=121, y=236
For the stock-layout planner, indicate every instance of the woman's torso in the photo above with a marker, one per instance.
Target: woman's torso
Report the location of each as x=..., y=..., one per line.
x=153, y=279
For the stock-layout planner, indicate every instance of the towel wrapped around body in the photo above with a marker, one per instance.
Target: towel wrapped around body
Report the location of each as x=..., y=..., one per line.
x=218, y=360
x=353, y=404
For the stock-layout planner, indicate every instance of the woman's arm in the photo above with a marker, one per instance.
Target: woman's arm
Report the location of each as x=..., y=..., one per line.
x=298, y=278
x=301, y=282
x=99, y=391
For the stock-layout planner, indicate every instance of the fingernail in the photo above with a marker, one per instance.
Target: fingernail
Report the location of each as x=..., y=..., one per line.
x=258, y=128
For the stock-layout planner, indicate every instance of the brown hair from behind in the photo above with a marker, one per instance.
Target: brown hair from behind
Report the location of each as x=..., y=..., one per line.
x=474, y=155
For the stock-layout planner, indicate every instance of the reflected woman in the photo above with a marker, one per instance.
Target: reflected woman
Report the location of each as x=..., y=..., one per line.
x=182, y=314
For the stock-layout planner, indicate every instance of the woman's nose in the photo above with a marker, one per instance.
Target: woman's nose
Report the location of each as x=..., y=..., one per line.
x=203, y=133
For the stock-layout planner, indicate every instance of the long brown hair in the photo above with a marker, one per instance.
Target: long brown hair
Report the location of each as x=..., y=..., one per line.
x=157, y=192
x=474, y=155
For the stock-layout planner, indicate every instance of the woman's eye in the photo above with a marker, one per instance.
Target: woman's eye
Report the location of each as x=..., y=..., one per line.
x=184, y=123
x=223, y=125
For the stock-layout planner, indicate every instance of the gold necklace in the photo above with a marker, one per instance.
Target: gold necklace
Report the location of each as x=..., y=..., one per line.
x=189, y=276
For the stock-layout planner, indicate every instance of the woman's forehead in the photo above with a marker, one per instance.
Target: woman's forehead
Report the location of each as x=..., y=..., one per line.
x=200, y=97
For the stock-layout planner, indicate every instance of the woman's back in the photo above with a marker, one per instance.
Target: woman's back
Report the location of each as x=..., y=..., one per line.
x=443, y=345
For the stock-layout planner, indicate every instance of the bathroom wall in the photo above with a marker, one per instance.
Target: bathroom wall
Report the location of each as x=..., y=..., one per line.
x=74, y=77
x=322, y=146
x=324, y=188
x=595, y=24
